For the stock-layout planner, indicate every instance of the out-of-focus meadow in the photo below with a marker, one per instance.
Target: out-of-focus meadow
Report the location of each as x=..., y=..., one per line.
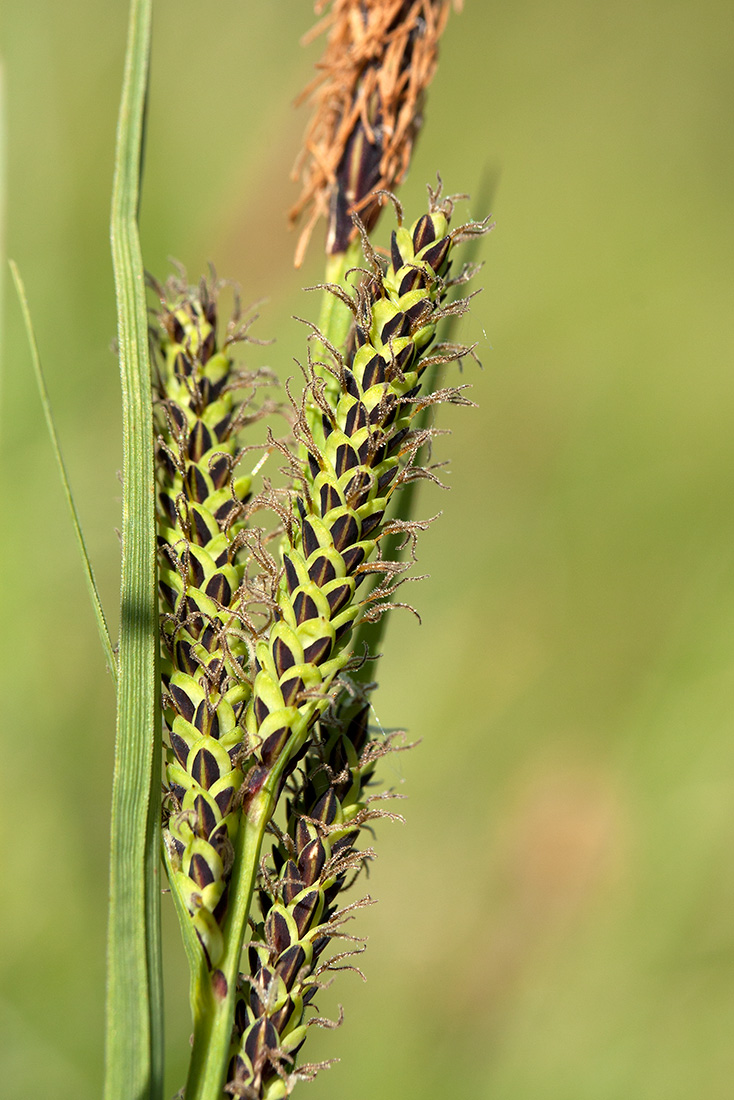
x=556, y=917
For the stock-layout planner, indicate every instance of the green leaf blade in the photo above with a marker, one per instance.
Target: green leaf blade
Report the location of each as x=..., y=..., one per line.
x=134, y=1059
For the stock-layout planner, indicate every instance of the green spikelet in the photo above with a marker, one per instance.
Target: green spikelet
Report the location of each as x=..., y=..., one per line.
x=312, y=863
x=202, y=403
x=359, y=451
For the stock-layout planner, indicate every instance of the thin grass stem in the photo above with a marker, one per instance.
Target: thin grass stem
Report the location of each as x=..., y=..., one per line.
x=104, y=634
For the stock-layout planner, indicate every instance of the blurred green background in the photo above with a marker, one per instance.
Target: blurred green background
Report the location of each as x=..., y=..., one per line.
x=556, y=917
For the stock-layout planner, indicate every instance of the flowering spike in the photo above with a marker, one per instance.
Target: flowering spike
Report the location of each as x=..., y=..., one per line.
x=202, y=400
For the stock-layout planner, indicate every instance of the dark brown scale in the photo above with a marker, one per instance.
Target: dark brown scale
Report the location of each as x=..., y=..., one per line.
x=326, y=807
x=196, y=571
x=234, y=753
x=204, y=769
x=276, y=932
x=182, y=365
x=200, y=871
x=291, y=575
x=304, y=608
x=169, y=594
x=283, y=656
x=209, y=638
x=437, y=253
x=205, y=392
x=311, y=861
x=346, y=458
x=371, y=522
x=318, y=651
x=304, y=834
x=287, y=968
x=273, y=745
x=180, y=748
x=221, y=430
x=309, y=537
x=304, y=911
x=355, y=419
x=352, y=558
x=177, y=415
x=345, y=531
x=214, y=720
x=174, y=328
x=291, y=689
x=282, y=1016
x=397, y=439
x=224, y=512
x=344, y=628
x=224, y=800
x=206, y=818
x=200, y=532
x=261, y=709
x=397, y=326
x=184, y=657
x=253, y=957
x=220, y=909
x=362, y=480
x=385, y=479
x=292, y=883
x=259, y=1039
x=208, y=347
x=395, y=410
x=222, y=559
x=195, y=623
x=339, y=597
x=424, y=232
x=256, y=1005
x=163, y=458
x=326, y=425
x=219, y=470
x=313, y=466
x=410, y=281
x=374, y=372
x=182, y=702
x=365, y=449
x=395, y=254
x=169, y=507
x=419, y=311
x=200, y=441
x=350, y=384
x=402, y=361
x=330, y=498
x=218, y=588
x=321, y=571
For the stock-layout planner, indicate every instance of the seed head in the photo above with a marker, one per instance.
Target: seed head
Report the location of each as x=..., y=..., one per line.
x=380, y=57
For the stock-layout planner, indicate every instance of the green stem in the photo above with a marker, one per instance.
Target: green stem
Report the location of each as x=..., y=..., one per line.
x=134, y=1050
x=335, y=320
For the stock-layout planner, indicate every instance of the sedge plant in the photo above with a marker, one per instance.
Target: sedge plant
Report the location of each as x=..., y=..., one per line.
x=245, y=665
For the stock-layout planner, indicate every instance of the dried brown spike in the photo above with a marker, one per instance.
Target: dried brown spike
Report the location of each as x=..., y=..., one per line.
x=380, y=57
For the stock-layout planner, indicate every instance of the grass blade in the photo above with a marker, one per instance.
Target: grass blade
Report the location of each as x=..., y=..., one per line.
x=99, y=615
x=134, y=1055
x=3, y=207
